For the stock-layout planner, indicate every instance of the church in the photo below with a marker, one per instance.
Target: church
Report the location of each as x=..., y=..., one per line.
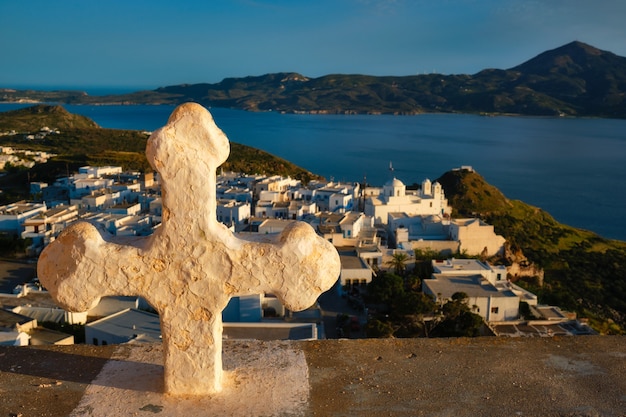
x=429, y=200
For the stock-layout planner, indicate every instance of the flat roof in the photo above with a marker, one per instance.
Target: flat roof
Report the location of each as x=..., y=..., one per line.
x=270, y=331
x=550, y=312
x=130, y=322
x=398, y=215
x=530, y=329
x=42, y=314
x=49, y=336
x=455, y=265
x=472, y=285
x=351, y=217
x=9, y=319
x=351, y=261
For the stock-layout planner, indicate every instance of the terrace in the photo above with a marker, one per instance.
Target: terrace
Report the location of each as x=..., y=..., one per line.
x=564, y=376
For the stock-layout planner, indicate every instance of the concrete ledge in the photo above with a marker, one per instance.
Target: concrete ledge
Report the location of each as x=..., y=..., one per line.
x=570, y=376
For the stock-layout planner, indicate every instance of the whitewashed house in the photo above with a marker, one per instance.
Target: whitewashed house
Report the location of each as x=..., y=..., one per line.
x=484, y=298
x=476, y=237
x=354, y=270
x=46, y=226
x=430, y=200
x=13, y=216
x=299, y=209
x=123, y=327
x=232, y=211
x=340, y=203
x=99, y=171
x=489, y=293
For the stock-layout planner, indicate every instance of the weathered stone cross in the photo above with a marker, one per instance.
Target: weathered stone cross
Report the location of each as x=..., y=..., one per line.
x=191, y=266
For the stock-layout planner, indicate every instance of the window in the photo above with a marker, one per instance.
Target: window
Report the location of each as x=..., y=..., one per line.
x=494, y=310
x=499, y=277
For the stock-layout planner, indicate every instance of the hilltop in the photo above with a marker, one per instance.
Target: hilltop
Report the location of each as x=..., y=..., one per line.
x=80, y=141
x=32, y=119
x=573, y=80
x=584, y=272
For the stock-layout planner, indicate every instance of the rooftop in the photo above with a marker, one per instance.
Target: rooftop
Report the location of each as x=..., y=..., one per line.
x=572, y=376
x=472, y=285
x=350, y=260
x=452, y=265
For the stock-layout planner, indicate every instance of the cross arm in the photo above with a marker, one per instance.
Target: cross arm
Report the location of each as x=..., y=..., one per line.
x=82, y=265
x=296, y=266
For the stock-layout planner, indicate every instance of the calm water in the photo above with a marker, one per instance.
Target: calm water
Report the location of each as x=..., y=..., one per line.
x=575, y=169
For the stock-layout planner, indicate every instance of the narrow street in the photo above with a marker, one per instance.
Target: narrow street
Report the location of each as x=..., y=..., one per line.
x=333, y=304
x=14, y=272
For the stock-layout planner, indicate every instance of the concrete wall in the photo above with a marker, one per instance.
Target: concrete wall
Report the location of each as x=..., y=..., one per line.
x=447, y=247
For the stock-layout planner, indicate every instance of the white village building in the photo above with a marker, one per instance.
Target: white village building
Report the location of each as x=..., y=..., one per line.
x=13, y=216
x=441, y=234
x=490, y=294
x=430, y=199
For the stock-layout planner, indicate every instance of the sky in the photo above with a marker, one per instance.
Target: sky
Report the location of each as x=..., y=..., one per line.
x=152, y=43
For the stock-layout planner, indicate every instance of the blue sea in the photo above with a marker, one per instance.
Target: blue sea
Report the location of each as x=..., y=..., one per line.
x=575, y=169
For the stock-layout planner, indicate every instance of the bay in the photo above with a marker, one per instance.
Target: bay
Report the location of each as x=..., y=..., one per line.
x=574, y=169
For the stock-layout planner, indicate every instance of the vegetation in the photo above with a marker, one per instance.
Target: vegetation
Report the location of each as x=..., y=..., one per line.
x=81, y=142
x=398, y=262
x=32, y=119
x=575, y=79
x=408, y=312
x=458, y=319
x=12, y=245
x=76, y=330
x=584, y=272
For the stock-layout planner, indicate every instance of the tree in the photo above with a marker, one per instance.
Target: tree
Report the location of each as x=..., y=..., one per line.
x=413, y=283
x=458, y=320
x=378, y=329
x=398, y=262
x=413, y=304
x=385, y=287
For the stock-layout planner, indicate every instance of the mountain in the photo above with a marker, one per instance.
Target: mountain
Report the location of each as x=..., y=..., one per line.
x=573, y=80
x=583, y=272
x=591, y=80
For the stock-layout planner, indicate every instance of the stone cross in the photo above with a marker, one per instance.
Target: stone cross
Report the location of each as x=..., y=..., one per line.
x=192, y=265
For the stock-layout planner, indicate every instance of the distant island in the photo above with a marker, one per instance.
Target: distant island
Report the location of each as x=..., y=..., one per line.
x=574, y=80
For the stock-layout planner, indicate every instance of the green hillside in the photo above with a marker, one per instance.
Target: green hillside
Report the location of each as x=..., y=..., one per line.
x=32, y=119
x=81, y=142
x=584, y=272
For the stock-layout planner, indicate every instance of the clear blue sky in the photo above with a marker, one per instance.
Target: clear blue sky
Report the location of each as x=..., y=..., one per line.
x=152, y=43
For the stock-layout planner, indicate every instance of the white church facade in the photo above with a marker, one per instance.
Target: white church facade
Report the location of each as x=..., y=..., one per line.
x=429, y=200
